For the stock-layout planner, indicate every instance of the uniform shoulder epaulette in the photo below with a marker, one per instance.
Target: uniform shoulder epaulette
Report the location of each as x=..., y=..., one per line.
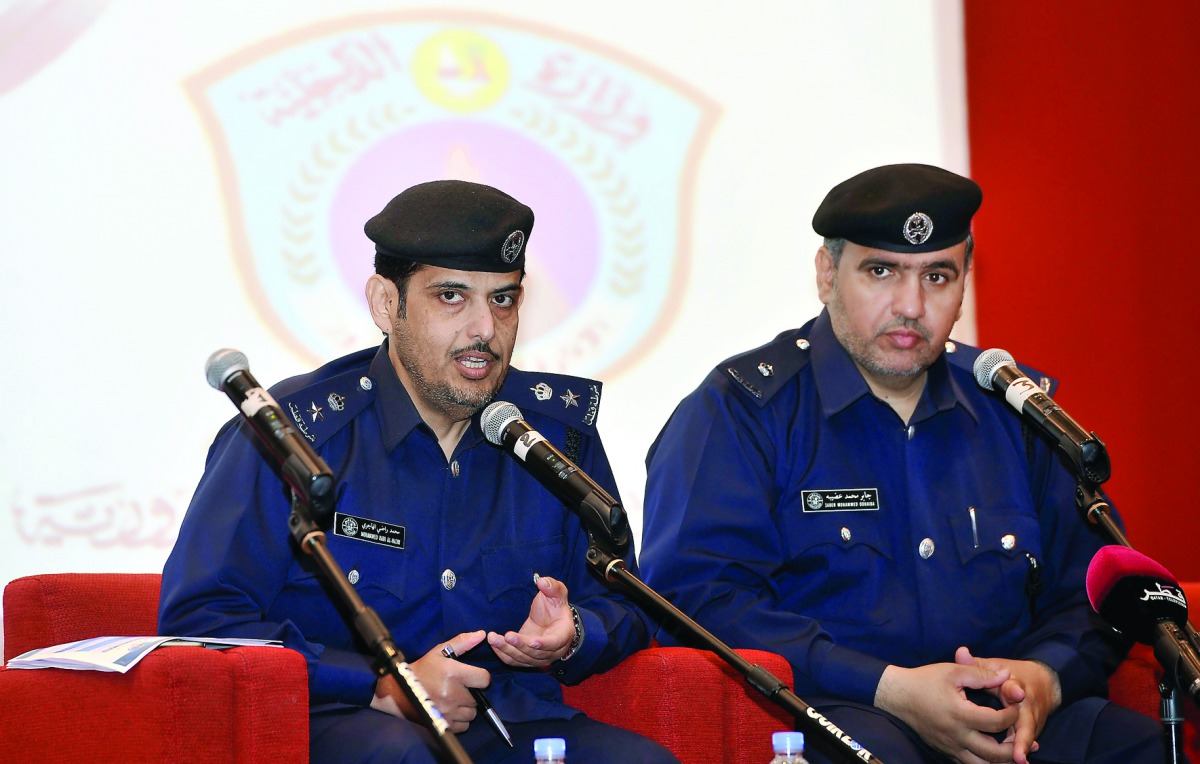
x=763, y=371
x=574, y=401
x=320, y=403
x=963, y=356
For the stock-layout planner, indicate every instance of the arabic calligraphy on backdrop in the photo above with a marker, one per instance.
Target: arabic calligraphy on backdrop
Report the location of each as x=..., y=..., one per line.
x=102, y=516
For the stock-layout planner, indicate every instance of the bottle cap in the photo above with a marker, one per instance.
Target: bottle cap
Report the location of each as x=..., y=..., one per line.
x=788, y=742
x=545, y=747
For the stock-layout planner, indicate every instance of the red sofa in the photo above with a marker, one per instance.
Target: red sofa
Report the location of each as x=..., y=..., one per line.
x=250, y=704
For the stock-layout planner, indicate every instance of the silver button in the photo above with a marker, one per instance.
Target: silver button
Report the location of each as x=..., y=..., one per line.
x=802, y=344
x=926, y=548
x=845, y=533
x=951, y=347
x=365, y=383
x=352, y=577
x=1008, y=541
x=454, y=469
x=911, y=431
x=766, y=369
x=448, y=579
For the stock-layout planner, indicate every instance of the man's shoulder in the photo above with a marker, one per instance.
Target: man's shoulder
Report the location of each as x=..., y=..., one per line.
x=962, y=356
x=569, y=400
x=762, y=372
x=326, y=399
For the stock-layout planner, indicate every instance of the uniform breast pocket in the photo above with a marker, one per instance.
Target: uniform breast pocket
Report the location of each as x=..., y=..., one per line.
x=377, y=575
x=1000, y=550
x=840, y=568
x=509, y=570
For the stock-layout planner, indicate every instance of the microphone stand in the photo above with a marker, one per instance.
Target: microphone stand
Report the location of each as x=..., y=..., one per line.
x=1098, y=512
x=388, y=658
x=605, y=560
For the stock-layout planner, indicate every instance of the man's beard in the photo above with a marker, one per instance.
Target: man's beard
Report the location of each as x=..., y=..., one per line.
x=451, y=400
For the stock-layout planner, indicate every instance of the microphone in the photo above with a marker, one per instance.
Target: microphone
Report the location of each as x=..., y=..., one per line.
x=307, y=474
x=1142, y=600
x=996, y=370
x=504, y=426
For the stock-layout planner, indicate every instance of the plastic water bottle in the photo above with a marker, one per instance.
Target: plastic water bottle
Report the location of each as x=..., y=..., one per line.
x=549, y=750
x=789, y=748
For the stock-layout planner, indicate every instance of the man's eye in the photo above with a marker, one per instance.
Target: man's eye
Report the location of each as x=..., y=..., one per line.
x=504, y=300
x=880, y=271
x=451, y=296
x=938, y=278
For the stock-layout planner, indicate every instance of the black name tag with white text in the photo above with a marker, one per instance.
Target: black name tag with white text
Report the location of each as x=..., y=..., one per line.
x=841, y=500
x=365, y=529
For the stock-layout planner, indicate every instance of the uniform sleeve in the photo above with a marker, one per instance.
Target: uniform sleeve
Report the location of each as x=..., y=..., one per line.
x=614, y=626
x=1067, y=635
x=712, y=544
x=231, y=560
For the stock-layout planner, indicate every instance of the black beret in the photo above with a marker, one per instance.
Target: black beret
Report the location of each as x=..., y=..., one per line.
x=900, y=208
x=454, y=224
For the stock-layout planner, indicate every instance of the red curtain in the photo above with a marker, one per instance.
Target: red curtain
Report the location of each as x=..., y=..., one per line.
x=1085, y=135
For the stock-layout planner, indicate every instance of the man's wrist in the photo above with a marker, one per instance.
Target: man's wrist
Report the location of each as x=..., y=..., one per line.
x=576, y=640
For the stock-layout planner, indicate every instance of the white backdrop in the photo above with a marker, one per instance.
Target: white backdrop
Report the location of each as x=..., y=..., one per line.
x=179, y=177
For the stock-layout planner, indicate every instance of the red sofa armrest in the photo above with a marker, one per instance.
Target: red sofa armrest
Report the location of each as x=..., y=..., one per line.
x=179, y=704
x=690, y=701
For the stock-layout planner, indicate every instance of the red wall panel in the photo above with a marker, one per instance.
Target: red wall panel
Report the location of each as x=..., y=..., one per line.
x=1085, y=135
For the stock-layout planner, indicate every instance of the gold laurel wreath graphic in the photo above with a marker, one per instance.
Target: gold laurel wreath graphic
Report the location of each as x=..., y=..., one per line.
x=626, y=225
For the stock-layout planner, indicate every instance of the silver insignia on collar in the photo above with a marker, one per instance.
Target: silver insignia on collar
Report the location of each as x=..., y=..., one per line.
x=542, y=391
x=918, y=228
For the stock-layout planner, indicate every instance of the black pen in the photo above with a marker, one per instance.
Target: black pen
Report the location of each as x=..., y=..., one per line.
x=482, y=701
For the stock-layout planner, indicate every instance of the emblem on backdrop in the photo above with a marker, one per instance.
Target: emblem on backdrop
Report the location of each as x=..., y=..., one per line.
x=316, y=130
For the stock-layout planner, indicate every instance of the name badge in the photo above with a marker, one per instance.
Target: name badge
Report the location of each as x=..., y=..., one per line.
x=365, y=529
x=841, y=500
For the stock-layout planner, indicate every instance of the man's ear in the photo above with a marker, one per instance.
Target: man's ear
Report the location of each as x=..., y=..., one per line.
x=383, y=299
x=826, y=274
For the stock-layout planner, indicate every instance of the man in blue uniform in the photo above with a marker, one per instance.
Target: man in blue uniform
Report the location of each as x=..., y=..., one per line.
x=444, y=535
x=849, y=497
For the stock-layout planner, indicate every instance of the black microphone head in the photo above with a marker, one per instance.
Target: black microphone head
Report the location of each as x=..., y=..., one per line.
x=1133, y=592
x=987, y=363
x=497, y=416
x=223, y=363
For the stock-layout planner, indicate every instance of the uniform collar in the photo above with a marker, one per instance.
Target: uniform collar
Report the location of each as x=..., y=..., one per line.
x=840, y=383
x=398, y=414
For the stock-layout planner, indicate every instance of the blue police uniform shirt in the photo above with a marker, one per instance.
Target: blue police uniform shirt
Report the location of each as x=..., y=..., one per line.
x=436, y=548
x=789, y=509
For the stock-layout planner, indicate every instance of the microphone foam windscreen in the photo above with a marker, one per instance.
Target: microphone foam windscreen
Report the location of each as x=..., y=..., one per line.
x=495, y=418
x=223, y=363
x=1133, y=592
x=987, y=363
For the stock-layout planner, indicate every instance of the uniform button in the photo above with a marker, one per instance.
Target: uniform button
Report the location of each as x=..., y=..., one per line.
x=364, y=383
x=352, y=577
x=911, y=430
x=951, y=347
x=845, y=533
x=448, y=579
x=802, y=343
x=454, y=469
x=925, y=549
x=1008, y=541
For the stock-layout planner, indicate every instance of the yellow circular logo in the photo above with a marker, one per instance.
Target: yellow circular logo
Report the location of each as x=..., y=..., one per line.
x=461, y=70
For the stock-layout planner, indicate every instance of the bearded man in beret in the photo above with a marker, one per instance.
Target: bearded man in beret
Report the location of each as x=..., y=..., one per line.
x=849, y=497
x=469, y=551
